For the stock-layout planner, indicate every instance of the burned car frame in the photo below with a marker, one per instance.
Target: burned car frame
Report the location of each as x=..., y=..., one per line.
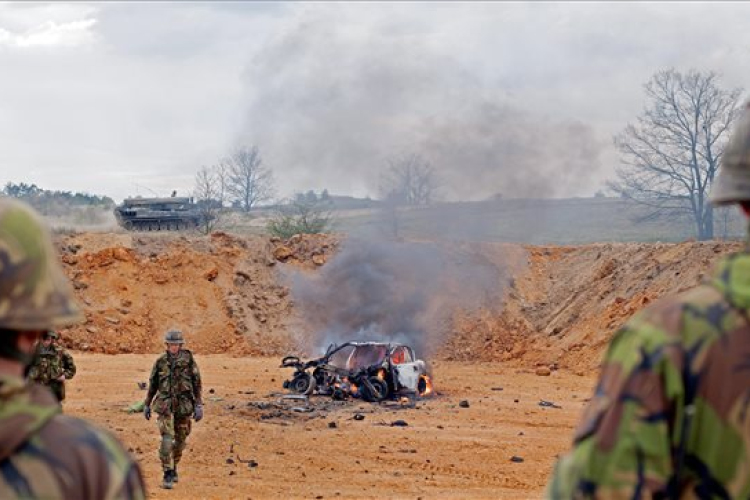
x=371, y=370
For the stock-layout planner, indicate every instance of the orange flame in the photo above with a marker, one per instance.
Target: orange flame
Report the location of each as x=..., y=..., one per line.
x=425, y=385
x=381, y=374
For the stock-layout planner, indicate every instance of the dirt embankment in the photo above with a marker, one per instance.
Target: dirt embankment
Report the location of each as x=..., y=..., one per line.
x=563, y=308
x=557, y=306
x=225, y=292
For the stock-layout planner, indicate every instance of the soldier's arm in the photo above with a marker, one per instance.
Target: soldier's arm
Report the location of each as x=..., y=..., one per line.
x=69, y=366
x=33, y=372
x=622, y=446
x=33, y=369
x=153, y=383
x=197, y=383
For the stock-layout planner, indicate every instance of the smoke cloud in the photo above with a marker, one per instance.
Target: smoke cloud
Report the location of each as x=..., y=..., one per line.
x=392, y=292
x=329, y=104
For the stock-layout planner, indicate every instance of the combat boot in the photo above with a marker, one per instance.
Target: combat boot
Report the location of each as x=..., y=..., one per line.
x=175, y=478
x=167, y=483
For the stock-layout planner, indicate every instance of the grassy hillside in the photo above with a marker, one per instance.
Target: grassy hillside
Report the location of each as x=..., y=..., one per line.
x=544, y=221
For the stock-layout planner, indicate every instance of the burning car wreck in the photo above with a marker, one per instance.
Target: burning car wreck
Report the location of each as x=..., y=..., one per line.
x=372, y=371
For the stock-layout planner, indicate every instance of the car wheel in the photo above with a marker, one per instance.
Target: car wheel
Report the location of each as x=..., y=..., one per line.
x=379, y=390
x=303, y=383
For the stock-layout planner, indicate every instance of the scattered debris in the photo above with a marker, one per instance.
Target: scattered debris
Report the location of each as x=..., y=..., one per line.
x=358, y=416
x=136, y=407
x=516, y=459
x=497, y=389
x=302, y=409
x=463, y=404
x=332, y=425
x=142, y=386
x=549, y=404
x=399, y=423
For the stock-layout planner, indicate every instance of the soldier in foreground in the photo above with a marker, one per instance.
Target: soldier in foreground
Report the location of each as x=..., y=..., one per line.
x=44, y=454
x=174, y=390
x=52, y=365
x=670, y=417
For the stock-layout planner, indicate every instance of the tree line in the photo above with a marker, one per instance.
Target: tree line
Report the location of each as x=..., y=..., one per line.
x=45, y=199
x=242, y=181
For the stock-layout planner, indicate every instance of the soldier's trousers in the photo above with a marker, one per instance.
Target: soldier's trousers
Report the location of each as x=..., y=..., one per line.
x=58, y=389
x=174, y=432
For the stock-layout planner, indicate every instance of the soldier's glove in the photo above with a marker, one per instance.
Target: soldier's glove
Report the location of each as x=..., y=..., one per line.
x=198, y=413
x=147, y=412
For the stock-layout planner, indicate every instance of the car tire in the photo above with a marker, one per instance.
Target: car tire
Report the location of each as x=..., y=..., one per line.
x=380, y=390
x=303, y=383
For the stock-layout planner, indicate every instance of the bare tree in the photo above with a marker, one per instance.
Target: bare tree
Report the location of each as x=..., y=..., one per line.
x=248, y=182
x=208, y=197
x=671, y=155
x=221, y=173
x=410, y=180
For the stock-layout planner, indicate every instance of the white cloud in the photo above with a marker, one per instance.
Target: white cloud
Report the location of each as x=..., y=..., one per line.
x=46, y=25
x=51, y=34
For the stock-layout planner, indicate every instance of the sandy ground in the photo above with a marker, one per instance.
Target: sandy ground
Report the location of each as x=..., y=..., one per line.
x=445, y=451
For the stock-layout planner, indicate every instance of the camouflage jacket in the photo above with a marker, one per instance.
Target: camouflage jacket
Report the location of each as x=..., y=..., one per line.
x=670, y=416
x=48, y=364
x=47, y=455
x=175, y=384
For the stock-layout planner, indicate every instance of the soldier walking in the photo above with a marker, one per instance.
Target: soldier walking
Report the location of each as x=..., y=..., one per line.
x=174, y=391
x=52, y=365
x=670, y=416
x=44, y=454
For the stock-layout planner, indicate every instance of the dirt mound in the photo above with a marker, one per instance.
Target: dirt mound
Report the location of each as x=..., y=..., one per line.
x=564, y=307
x=223, y=291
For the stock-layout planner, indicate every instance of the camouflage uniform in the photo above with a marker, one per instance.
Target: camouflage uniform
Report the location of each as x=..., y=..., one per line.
x=670, y=416
x=174, y=393
x=48, y=364
x=47, y=455
x=44, y=454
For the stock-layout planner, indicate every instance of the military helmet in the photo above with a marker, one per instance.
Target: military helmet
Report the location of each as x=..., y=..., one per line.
x=34, y=292
x=51, y=335
x=732, y=183
x=174, y=337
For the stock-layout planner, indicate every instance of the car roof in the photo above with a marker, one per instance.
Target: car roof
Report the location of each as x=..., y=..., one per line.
x=384, y=344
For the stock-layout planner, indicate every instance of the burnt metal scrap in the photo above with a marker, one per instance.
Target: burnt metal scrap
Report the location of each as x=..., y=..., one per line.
x=372, y=371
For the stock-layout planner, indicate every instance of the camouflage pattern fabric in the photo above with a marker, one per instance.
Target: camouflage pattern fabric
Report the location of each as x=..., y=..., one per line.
x=45, y=455
x=34, y=292
x=174, y=389
x=175, y=385
x=174, y=433
x=670, y=417
x=48, y=364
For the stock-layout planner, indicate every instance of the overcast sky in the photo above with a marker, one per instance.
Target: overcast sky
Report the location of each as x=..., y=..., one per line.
x=515, y=98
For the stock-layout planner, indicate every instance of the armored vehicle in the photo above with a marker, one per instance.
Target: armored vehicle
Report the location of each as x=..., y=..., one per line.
x=158, y=214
